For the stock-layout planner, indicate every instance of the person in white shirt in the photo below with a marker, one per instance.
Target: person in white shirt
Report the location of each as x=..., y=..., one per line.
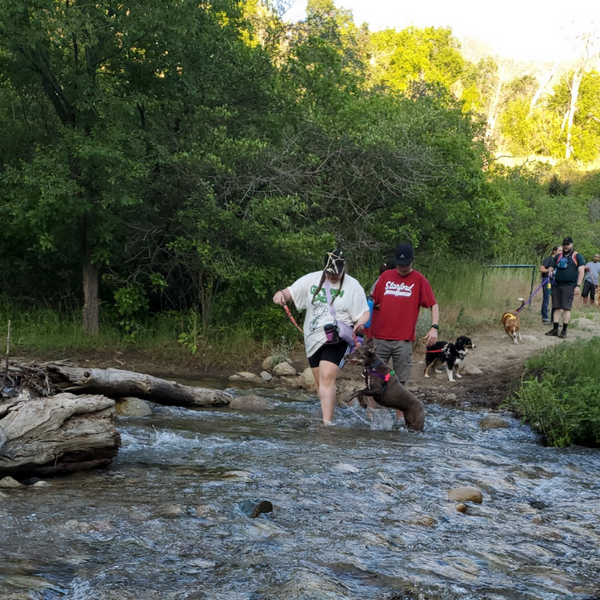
x=336, y=308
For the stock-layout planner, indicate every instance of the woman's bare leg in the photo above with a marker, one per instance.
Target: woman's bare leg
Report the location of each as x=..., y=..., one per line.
x=325, y=375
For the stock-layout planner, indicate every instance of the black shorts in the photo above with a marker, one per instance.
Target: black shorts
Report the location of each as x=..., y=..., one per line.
x=589, y=289
x=332, y=353
x=562, y=297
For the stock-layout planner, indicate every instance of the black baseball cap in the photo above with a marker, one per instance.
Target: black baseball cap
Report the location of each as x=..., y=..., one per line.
x=404, y=255
x=334, y=262
x=568, y=240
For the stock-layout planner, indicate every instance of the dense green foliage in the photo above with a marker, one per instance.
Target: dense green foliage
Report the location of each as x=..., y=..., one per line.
x=560, y=394
x=190, y=159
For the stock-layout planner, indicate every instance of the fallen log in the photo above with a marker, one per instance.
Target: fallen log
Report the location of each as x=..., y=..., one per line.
x=56, y=435
x=116, y=383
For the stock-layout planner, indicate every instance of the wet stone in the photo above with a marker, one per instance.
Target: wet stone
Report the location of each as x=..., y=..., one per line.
x=39, y=484
x=9, y=482
x=251, y=402
x=246, y=376
x=132, y=407
x=254, y=508
x=493, y=422
x=466, y=494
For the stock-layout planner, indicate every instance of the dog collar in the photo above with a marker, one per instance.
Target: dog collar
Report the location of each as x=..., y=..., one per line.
x=386, y=378
x=377, y=364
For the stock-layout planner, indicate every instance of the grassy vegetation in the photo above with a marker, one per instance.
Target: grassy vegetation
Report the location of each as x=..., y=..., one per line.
x=560, y=394
x=45, y=334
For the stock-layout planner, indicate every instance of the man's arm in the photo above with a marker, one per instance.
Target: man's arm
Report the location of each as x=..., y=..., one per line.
x=580, y=276
x=432, y=335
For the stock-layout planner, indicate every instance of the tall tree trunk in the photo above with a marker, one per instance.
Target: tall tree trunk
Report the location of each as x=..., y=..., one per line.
x=577, y=76
x=90, y=297
x=90, y=283
x=504, y=71
x=544, y=83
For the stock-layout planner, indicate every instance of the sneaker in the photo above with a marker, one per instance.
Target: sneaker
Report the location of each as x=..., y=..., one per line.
x=562, y=335
x=553, y=332
x=546, y=321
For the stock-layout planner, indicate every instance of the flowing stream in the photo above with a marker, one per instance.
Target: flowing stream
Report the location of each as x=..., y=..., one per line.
x=358, y=512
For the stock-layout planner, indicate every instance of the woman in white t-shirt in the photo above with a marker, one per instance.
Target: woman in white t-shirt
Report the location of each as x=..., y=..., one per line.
x=329, y=297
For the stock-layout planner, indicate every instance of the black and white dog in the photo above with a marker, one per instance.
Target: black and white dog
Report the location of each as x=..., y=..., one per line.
x=449, y=354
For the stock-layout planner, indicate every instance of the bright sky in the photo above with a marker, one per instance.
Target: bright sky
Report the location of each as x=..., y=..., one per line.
x=522, y=29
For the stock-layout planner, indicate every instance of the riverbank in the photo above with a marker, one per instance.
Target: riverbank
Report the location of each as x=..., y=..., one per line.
x=490, y=369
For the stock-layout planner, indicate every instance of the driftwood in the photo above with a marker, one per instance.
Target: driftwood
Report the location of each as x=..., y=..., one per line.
x=56, y=435
x=63, y=418
x=116, y=383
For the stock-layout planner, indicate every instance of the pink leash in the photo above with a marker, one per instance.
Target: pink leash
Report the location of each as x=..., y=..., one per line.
x=289, y=314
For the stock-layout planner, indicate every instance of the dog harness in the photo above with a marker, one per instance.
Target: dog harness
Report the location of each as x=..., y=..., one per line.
x=385, y=378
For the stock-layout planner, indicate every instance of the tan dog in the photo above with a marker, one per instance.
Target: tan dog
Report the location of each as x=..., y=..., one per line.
x=385, y=387
x=512, y=323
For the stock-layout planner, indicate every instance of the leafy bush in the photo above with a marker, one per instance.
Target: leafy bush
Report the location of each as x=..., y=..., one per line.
x=560, y=394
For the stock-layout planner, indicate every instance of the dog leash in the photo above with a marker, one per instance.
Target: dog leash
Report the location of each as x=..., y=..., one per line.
x=289, y=314
x=544, y=282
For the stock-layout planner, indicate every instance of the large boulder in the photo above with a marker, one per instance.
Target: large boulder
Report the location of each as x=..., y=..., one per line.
x=307, y=380
x=284, y=369
x=270, y=362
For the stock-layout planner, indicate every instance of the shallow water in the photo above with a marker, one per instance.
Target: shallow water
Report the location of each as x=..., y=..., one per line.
x=359, y=513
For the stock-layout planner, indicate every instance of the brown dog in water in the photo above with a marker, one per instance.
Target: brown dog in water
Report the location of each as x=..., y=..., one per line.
x=512, y=323
x=385, y=387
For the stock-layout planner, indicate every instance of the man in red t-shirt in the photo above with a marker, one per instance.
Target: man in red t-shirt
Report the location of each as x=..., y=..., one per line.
x=398, y=296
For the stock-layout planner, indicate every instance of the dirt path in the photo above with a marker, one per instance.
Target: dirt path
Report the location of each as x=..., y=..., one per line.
x=496, y=362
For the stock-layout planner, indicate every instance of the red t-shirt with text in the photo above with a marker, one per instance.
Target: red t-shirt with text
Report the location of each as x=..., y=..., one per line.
x=399, y=299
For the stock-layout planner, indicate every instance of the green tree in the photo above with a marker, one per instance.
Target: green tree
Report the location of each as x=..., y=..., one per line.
x=402, y=58
x=106, y=96
x=584, y=138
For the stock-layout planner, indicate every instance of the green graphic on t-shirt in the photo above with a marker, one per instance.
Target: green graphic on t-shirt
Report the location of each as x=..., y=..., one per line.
x=322, y=295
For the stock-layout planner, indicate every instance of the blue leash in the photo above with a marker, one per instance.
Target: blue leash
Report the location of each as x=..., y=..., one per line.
x=528, y=301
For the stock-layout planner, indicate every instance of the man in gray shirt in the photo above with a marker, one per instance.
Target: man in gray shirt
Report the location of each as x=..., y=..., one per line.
x=590, y=285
